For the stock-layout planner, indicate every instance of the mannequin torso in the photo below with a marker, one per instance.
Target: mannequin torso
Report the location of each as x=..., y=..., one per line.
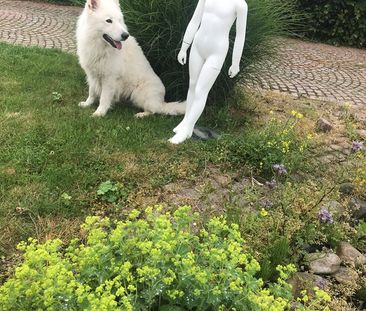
x=209, y=31
x=217, y=20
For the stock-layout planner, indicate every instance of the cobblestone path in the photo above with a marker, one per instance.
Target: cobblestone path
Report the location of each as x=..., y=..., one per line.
x=38, y=24
x=315, y=70
x=306, y=69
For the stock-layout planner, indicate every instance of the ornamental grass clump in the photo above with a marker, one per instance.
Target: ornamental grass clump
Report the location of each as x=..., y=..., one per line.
x=143, y=263
x=159, y=26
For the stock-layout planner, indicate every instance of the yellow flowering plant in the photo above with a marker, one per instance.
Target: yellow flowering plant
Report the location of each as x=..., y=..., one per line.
x=276, y=142
x=145, y=263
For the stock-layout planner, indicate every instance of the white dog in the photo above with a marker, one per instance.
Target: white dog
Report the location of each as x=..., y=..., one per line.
x=115, y=65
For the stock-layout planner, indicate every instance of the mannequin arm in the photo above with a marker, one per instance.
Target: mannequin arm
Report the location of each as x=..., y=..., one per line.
x=191, y=30
x=241, y=25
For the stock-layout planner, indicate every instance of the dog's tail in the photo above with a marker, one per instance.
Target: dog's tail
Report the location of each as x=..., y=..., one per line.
x=173, y=108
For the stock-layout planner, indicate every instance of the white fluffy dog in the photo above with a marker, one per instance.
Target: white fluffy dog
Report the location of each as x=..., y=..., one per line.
x=115, y=65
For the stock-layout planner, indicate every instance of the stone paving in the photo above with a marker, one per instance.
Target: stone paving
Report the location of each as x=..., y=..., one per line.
x=315, y=70
x=38, y=24
x=301, y=68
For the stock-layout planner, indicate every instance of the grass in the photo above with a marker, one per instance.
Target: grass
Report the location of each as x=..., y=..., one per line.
x=49, y=146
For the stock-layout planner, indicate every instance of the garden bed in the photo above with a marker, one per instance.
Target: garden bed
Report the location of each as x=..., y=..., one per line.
x=59, y=166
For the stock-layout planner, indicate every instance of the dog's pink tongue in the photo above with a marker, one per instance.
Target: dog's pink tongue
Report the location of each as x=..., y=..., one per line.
x=118, y=45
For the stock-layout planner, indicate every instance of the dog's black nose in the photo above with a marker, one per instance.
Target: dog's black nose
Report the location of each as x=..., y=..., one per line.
x=125, y=36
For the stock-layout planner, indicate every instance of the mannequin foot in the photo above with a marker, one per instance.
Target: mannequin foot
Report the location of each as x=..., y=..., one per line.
x=181, y=136
x=181, y=126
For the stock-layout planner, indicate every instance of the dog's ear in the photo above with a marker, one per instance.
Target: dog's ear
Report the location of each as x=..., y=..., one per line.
x=93, y=4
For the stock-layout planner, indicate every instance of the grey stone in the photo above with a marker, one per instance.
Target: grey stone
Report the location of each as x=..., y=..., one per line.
x=347, y=188
x=358, y=207
x=350, y=255
x=323, y=125
x=305, y=280
x=223, y=180
x=324, y=263
x=335, y=208
x=346, y=276
x=362, y=133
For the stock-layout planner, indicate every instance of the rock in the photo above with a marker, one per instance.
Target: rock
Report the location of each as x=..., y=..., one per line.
x=346, y=188
x=305, y=280
x=335, y=208
x=350, y=255
x=358, y=207
x=204, y=133
x=361, y=133
x=223, y=180
x=346, y=276
x=322, y=125
x=324, y=263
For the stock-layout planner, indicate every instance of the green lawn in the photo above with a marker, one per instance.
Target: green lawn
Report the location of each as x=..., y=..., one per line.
x=49, y=146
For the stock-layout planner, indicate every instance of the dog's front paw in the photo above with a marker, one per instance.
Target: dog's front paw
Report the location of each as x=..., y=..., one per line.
x=84, y=104
x=141, y=115
x=99, y=113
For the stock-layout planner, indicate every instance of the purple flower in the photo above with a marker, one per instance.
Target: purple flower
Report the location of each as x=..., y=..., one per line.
x=325, y=216
x=267, y=204
x=271, y=184
x=357, y=145
x=321, y=283
x=280, y=169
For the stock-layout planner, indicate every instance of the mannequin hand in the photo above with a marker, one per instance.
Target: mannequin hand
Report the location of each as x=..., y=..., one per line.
x=233, y=71
x=182, y=57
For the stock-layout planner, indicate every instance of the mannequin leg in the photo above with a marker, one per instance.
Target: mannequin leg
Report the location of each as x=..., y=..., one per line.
x=209, y=73
x=195, y=66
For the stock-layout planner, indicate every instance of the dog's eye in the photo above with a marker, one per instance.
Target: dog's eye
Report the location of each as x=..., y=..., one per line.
x=109, y=21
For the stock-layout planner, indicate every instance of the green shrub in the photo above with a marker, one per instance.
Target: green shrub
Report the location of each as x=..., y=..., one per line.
x=159, y=27
x=143, y=264
x=278, y=142
x=112, y=192
x=335, y=21
x=278, y=253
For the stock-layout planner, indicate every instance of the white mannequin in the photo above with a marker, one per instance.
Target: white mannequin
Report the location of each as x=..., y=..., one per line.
x=209, y=31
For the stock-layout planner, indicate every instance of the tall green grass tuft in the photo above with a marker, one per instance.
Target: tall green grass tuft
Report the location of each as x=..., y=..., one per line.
x=159, y=26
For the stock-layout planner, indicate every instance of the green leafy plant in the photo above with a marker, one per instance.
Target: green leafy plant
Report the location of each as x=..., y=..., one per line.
x=359, y=239
x=275, y=143
x=56, y=97
x=66, y=199
x=159, y=27
x=142, y=264
x=278, y=254
x=111, y=192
